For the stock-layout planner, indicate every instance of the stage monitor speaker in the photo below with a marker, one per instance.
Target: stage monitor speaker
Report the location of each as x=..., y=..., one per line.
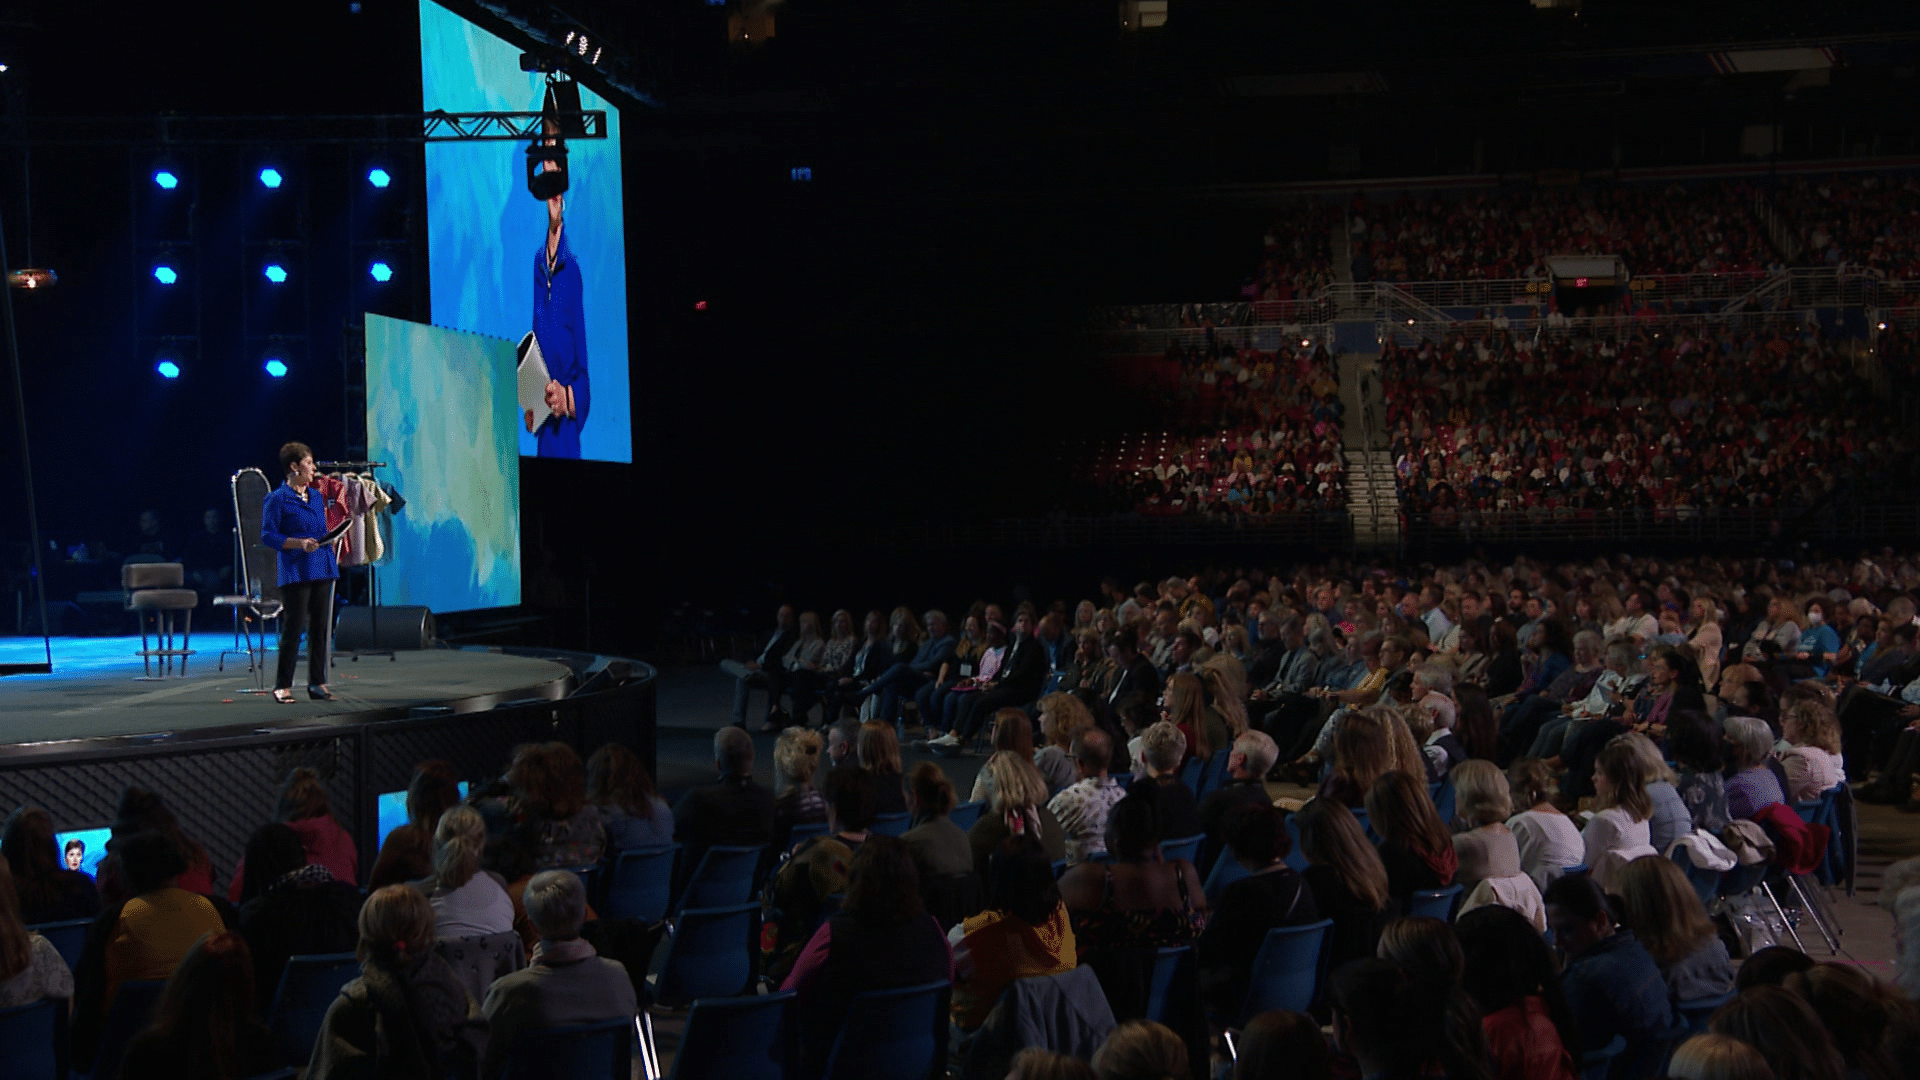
x=408, y=627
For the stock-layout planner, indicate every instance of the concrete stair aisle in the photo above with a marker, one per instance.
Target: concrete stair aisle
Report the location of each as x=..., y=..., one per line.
x=1372, y=501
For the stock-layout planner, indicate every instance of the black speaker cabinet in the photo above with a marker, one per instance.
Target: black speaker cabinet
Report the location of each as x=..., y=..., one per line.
x=398, y=628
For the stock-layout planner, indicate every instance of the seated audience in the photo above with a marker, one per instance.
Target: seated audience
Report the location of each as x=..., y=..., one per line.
x=1393, y=1024
x=407, y=1014
x=548, y=805
x=1142, y=1050
x=1348, y=880
x=1162, y=749
x=1548, y=840
x=1612, y=984
x=30, y=967
x=1012, y=733
x=818, y=870
x=733, y=811
x=290, y=907
x=565, y=981
x=1665, y=913
x=1874, y=1026
x=631, y=809
x=1019, y=805
x=466, y=900
x=881, y=939
x=1253, y=754
x=1270, y=896
x=140, y=938
x=1281, y=1045
x=206, y=1026
x=1617, y=832
x=407, y=853
x=941, y=851
x=1670, y=819
x=1717, y=1057
x=1693, y=741
x=1137, y=899
x=1082, y=808
x=1062, y=716
x=1490, y=866
x=143, y=811
x=1770, y=967
x=1510, y=974
x=796, y=760
x=303, y=807
x=1414, y=844
x=1812, y=760
x=1038, y=1063
x=1753, y=786
x=879, y=751
x=510, y=860
x=46, y=890
x=1023, y=933
x=1785, y=1029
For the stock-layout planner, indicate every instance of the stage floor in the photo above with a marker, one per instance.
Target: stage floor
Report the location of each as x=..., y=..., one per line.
x=95, y=691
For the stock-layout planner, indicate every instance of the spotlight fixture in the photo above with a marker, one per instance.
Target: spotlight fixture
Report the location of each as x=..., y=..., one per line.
x=166, y=180
x=167, y=369
x=33, y=277
x=276, y=273
x=276, y=367
x=379, y=177
x=270, y=178
x=381, y=272
x=165, y=275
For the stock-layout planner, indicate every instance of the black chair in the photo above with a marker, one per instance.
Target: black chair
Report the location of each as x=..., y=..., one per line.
x=602, y=1051
x=32, y=1040
x=132, y=1010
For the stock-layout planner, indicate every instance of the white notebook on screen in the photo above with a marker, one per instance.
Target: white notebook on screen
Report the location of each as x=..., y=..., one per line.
x=533, y=380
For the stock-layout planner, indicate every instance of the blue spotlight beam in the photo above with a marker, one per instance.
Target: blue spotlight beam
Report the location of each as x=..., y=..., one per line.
x=166, y=180
x=276, y=273
x=165, y=275
x=270, y=178
x=379, y=177
x=381, y=272
x=167, y=369
x=276, y=368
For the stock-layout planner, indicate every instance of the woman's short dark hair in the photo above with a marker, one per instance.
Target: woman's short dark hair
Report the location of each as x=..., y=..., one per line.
x=1020, y=880
x=882, y=883
x=1257, y=832
x=1508, y=961
x=273, y=851
x=33, y=858
x=854, y=796
x=148, y=860
x=1580, y=895
x=932, y=791
x=1280, y=1043
x=292, y=454
x=1400, y=1019
x=1133, y=825
x=549, y=780
x=1771, y=966
x=1693, y=740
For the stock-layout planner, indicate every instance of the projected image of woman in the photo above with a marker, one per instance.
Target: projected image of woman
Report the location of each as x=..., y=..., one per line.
x=560, y=326
x=292, y=521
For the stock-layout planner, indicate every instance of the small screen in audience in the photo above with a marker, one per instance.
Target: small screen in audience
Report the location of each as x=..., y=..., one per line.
x=393, y=810
x=82, y=849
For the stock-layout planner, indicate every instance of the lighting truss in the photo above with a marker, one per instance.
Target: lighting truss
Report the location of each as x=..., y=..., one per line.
x=290, y=130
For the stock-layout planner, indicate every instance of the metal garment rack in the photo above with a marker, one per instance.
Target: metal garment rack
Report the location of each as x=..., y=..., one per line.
x=373, y=572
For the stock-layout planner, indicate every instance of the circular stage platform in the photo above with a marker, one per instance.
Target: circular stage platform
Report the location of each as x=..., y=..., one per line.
x=73, y=741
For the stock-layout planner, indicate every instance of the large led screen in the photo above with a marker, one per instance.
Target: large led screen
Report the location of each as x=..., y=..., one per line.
x=493, y=270
x=441, y=414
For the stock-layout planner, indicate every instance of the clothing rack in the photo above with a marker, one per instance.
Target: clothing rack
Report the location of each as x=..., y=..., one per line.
x=373, y=572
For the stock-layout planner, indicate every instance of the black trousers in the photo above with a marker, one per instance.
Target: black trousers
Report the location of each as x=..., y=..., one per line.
x=308, y=607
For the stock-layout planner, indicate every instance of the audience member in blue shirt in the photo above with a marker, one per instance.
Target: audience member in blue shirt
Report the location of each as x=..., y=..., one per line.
x=1819, y=642
x=907, y=677
x=292, y=520
x=1612, y=985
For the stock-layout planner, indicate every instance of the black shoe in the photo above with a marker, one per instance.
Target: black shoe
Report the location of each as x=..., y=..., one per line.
x=320, y=693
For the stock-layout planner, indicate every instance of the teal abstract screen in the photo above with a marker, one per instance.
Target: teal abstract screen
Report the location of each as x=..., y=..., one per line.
x=441, y=413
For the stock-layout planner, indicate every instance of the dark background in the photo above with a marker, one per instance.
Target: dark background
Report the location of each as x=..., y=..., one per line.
x=898, y=340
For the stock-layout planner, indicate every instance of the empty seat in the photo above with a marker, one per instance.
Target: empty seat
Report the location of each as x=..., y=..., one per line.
x=307, y=989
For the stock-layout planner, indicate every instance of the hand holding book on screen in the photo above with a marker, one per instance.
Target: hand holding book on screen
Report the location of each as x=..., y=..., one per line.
x=533, y=383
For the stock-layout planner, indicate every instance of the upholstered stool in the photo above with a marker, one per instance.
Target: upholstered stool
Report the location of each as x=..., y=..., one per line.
x=154, y=590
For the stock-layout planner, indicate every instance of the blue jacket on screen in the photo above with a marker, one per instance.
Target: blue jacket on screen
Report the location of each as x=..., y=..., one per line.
x=284, y=514
x=560, y=326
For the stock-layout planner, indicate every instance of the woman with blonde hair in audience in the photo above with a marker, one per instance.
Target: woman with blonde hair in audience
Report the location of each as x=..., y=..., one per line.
x=1012, y=734
x=1142, y=1050
x=1812, y=760
x=1490, y=866
x=1662, y=909
x=879, y=752
x=1225, y=680
x=1548, y=839
x=1234, y=643
x=1717, y=1057
x=407, y=1014
x=1062, y=716
x=1670, y=819
x=1705, y=638
x=796, y=760
x=466, y=900
x=1018, y=805
x=30, y=967
x=1347, y=877
x=1618, y=832
x=1414, y=845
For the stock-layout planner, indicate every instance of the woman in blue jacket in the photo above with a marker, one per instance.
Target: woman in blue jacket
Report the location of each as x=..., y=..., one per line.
x=292, y=521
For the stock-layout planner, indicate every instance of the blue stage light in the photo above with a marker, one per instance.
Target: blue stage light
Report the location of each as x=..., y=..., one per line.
x=165, y=275
x=379, y=177
x=167, y=369
x=381, y=272
x=270, y=177
x=277, y=368
x=276, y=273
x=166, y=180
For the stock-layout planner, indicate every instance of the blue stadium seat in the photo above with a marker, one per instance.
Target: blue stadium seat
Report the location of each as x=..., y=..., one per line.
x=1226, y=870
x=1434, y=903
x=899, y=1034
x=130, y=1013
x=966, y=814
x=1288, y=970
x=711, y=954
x=602, y=1051
x=895, y=825
x=1124, y=779
x=723, y=878
x=1296, y=859
x=1190, y=774
x=805, y=832
x=735, y=1037
x=1166, y=964
x=589, y=880
x=1705, y=882
x=1215, y=773
x=30, y=1040
x=1182, y=847
x=68, y=938
x=640, y=884
x=307, y=988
